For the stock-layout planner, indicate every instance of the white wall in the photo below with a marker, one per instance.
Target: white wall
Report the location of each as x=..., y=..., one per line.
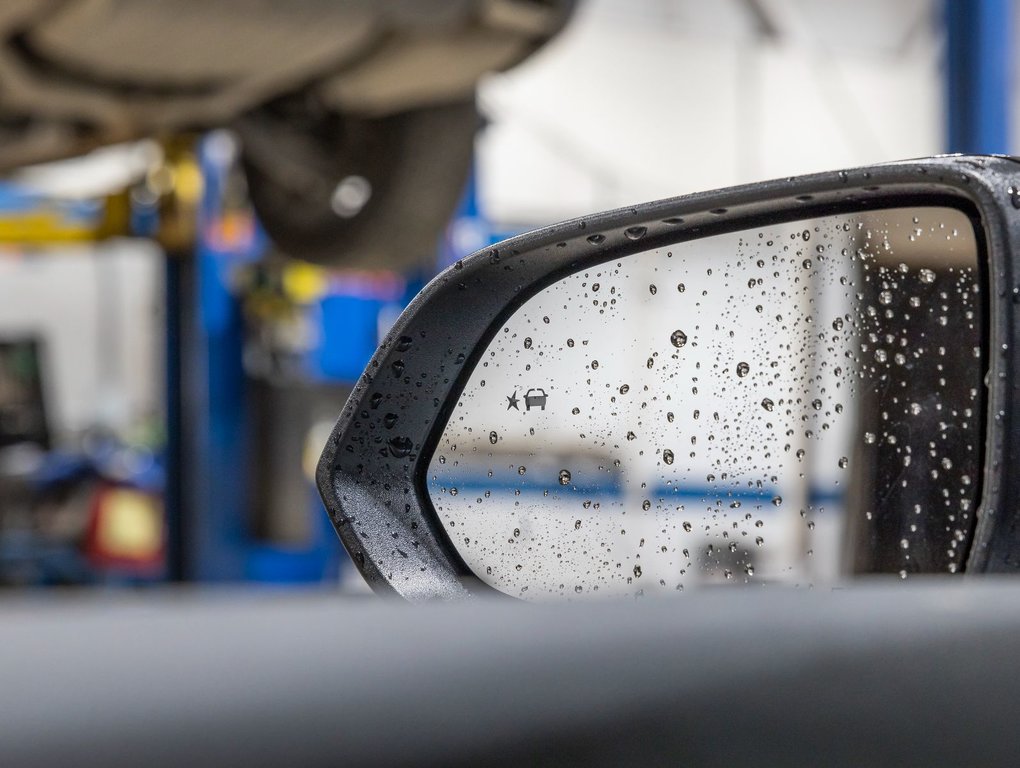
x=99, y=310
x=643, y=99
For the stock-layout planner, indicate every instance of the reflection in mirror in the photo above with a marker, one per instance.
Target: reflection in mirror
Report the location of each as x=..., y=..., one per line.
x=789, y=404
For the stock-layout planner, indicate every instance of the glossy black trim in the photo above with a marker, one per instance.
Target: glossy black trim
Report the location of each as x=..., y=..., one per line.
x=372, y=471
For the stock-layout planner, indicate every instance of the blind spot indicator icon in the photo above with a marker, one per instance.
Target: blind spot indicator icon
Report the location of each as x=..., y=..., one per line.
x=535, y=398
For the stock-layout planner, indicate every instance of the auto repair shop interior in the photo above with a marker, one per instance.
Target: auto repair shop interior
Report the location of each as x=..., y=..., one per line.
x=212, y=214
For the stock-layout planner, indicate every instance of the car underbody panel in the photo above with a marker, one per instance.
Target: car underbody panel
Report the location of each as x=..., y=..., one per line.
x=84, y=73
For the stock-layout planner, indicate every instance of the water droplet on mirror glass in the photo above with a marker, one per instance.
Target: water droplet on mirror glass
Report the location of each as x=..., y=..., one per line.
x=564, y=477
x=743, y=369
x=678, y=339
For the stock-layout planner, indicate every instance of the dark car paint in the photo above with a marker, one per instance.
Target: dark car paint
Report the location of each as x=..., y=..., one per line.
x=921, y=674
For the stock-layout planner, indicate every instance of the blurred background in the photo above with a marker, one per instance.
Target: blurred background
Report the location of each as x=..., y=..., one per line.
x=210, y=213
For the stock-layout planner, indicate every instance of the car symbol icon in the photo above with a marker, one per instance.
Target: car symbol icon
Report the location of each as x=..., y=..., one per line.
x=531, y=399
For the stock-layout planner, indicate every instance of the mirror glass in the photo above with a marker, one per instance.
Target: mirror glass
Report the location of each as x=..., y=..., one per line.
x=795, y=403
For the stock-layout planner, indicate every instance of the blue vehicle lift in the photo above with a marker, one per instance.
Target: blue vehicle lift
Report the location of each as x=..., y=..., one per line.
x=209, y=422
x=978, y=75
x=208, y=496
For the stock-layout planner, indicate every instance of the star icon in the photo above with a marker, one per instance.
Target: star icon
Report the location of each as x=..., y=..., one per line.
x=512, y=400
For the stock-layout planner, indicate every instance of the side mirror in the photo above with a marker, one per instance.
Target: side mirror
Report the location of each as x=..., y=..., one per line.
x=795, y=381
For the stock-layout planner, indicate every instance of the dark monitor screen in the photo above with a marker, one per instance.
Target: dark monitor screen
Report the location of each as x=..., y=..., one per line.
x=22, y=411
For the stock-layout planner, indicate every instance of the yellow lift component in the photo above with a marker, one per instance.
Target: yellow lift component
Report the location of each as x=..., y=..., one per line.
x=175, y=184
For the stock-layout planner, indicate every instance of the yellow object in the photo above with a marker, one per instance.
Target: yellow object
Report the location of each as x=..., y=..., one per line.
x=304, y=283
x=130, y=525
x=178, y=185
x=43, y=227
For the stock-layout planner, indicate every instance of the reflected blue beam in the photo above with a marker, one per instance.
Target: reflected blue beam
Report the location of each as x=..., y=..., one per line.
x=465, y=484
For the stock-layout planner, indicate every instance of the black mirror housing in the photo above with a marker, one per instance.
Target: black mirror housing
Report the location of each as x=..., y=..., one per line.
x=372, y=473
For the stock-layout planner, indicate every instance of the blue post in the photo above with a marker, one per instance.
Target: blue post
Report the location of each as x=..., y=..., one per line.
x=978, y=68
x=213, y=406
